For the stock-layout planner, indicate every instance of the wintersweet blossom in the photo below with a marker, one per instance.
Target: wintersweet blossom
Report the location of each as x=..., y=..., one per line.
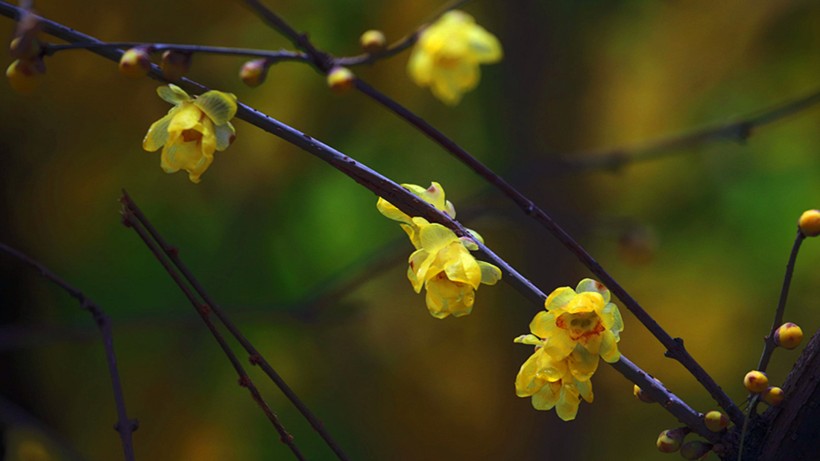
x=448, y=53
x=578, y=327
x=442, y=262
x=192, y=130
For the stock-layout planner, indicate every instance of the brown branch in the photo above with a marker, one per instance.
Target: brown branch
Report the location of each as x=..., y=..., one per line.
x=124, y=426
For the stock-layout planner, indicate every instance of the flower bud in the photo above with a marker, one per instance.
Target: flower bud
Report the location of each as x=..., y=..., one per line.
x=715, y=421
x=809, y=223
x=340, y=79
x=670, y=440
x=695, y=449
x=641, y=395
x=373, y=41
x=788, y=335
x=756, y=382
x=253, y=73
x=135, y=62
x=25, y=47
x=773, y=396
x=25, y=74
x=175, y=64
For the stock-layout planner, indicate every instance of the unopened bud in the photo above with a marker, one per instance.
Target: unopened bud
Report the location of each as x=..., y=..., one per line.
x=25, y=74
x=253, y=73
x=373, y=41
x=25, y=47
x=695, y=449
x=756, y=382
x=641, y=395
x=340, y=79
x=135, y=62
x=715, y=421
x=788, y=335
x=773, y=396
x=809, y=223
x=670, y=440
x=175, y=64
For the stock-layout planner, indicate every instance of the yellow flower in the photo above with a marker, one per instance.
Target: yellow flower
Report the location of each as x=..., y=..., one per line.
x=550, y=383
x=193, y=129
x=434, y=195
x=448, y=53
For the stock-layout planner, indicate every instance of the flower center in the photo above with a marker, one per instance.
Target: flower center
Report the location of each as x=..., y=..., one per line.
x=581, y=325
x=191, y=135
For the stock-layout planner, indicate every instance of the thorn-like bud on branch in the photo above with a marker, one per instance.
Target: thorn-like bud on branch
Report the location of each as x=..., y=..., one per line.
x=695, y=449
x=253, y=73
x=715, y=421
x=373, y=41
x=756, y=382
x=25, y=74
x=340, y=79
x=809, y=223
x=773, y=396
x=670, y=440
x=175, y=64
x=135, y=62
x=788, y=335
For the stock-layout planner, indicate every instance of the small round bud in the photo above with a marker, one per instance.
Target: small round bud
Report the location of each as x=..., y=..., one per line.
x=695, y=449
x=755, y=382
x=135, y=62
x=25, y=74
x=788, y=335
x=340, y=79
x=25, y=47
x=253, y=73
x=670, y=440
x=715, y=421
x=641, y=395
x=809, y=223
x=373, y=41
x=773, y=396
x=175, y=64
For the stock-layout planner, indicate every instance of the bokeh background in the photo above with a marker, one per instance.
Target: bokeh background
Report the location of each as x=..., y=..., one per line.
x=315, y=276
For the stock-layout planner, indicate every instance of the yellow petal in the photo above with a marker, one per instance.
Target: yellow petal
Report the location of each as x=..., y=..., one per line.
x=526, y=381
x=490, y=274
x=543, y=325
x=420, y=67
x=582, y=364
x=157, y=134
x=390, y=211
x=567, y=406
x=218, y=106
x=609, y=348
x=186, y=117
x=585, y=390
x=173, y=94
x=435, y=237
x=593, y=286
x=559, y=298
x=224, y=136
x=484, y=46
x=546, y=397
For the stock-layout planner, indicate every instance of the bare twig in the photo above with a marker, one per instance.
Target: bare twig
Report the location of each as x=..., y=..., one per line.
x=159, y=247
x=124, y=426
x=204, y=311
x=273, y=56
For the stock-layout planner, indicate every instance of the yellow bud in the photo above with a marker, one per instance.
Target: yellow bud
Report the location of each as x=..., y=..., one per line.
x=25, y=47
x=253, y=73
x=670, y=440
x=695, y=449
x=340, y=79
x=755, y=382
x=135, y=62
x=641, y=395
x=25, y=74
x=809, y=223
x=175, y=64
x=773, y=396
x=715, y=421
x=788, y=335
x=373, y=41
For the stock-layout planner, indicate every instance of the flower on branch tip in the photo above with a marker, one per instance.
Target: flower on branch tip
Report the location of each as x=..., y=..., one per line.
x=373, y=41
x=448, y=53
x=192, y=130
x=442, y=263
x=340, y=79
x=135, y=62
x=578, y=327
x=175, y=64
x=25, y=74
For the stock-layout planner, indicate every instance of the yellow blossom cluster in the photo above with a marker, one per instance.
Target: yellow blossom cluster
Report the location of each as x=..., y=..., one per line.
x=442, y=262
x=577, y=328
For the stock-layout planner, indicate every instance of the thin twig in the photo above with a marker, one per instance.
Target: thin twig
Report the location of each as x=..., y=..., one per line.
x=204, y=311
x=132, y=211
x=374, y=181
x=273, y=56
x=124, y=426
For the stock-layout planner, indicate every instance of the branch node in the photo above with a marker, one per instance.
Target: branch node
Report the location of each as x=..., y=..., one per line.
x=255, y=359
x=244, y=381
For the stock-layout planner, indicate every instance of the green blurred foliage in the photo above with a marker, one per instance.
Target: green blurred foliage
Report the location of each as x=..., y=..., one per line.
x=270, y=227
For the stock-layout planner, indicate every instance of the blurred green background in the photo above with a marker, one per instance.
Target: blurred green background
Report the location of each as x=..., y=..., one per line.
x=700, y=239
